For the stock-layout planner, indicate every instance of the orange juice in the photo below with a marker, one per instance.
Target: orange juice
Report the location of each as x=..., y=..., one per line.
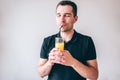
x=60, y=46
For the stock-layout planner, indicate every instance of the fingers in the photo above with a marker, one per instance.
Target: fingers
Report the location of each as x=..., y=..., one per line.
x=55, y=56
x=60, y=57
x=51, y=56
x=54, y=50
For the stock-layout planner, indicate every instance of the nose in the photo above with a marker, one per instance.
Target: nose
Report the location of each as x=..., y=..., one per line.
x=62, y=18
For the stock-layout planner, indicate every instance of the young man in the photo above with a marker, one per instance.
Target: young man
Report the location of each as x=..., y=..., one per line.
x=78, y=60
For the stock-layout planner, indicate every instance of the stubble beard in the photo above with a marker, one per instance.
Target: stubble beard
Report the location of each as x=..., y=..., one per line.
x=67, y=30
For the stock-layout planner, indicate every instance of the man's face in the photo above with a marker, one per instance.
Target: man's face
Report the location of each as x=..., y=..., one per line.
x=65, y=17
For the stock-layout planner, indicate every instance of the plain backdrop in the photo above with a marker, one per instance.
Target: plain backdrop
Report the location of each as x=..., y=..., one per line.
x=24, y=24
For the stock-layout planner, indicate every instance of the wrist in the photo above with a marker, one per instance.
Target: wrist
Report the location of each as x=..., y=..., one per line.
x=74, y=61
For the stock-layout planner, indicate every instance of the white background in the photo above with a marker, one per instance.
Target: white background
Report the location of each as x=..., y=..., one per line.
x=24, y=24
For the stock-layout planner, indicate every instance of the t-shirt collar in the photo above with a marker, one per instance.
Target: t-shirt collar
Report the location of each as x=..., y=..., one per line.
x=74, y=38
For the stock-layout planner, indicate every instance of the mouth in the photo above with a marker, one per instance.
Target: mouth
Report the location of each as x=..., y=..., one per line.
x=62, y=25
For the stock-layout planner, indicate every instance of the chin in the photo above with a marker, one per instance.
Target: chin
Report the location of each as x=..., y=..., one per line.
x=64, y=30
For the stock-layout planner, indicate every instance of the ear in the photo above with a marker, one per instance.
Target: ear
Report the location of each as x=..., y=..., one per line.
x=76, y=18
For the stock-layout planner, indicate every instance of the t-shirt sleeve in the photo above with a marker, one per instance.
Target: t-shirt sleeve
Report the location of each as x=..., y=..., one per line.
x=91, y=51
x=44, y=51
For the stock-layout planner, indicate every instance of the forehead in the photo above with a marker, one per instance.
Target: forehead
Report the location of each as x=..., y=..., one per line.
x=64, y=9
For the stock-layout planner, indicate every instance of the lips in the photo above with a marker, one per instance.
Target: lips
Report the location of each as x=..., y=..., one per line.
x=62, y=25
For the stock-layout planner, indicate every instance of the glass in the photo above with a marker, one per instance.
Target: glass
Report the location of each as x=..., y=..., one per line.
x=59, y=43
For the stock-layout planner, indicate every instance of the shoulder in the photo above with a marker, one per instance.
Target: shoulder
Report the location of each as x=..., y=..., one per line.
x=84, y=39
x=83, y=36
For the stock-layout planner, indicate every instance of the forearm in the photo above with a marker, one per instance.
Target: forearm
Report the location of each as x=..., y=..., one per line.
x=44, y=69
x=88, y=72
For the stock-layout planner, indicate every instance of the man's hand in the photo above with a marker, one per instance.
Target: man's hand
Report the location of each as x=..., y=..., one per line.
x=60, y=57
x=67, y=58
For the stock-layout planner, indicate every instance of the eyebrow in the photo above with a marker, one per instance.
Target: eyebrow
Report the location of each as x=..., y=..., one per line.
x=66, y=13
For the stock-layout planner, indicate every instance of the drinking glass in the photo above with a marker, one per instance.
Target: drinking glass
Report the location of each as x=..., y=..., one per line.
x=59, y=43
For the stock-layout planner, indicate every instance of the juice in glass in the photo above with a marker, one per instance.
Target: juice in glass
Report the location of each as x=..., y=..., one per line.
x=59, y=43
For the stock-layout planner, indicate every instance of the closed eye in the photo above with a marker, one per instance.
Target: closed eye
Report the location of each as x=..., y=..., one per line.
x=67, y=15
x=58, y=15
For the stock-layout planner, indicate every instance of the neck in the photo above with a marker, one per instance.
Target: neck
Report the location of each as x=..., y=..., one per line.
x=67, y=36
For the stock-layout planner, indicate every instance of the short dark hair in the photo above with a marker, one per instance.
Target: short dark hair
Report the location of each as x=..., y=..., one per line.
x=68, y=2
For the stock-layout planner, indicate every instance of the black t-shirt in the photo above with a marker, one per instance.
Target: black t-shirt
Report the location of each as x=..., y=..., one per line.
x=80, y=46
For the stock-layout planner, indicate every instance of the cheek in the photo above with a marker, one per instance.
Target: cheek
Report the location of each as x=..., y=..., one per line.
x=70, y=21
x=57, y=21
